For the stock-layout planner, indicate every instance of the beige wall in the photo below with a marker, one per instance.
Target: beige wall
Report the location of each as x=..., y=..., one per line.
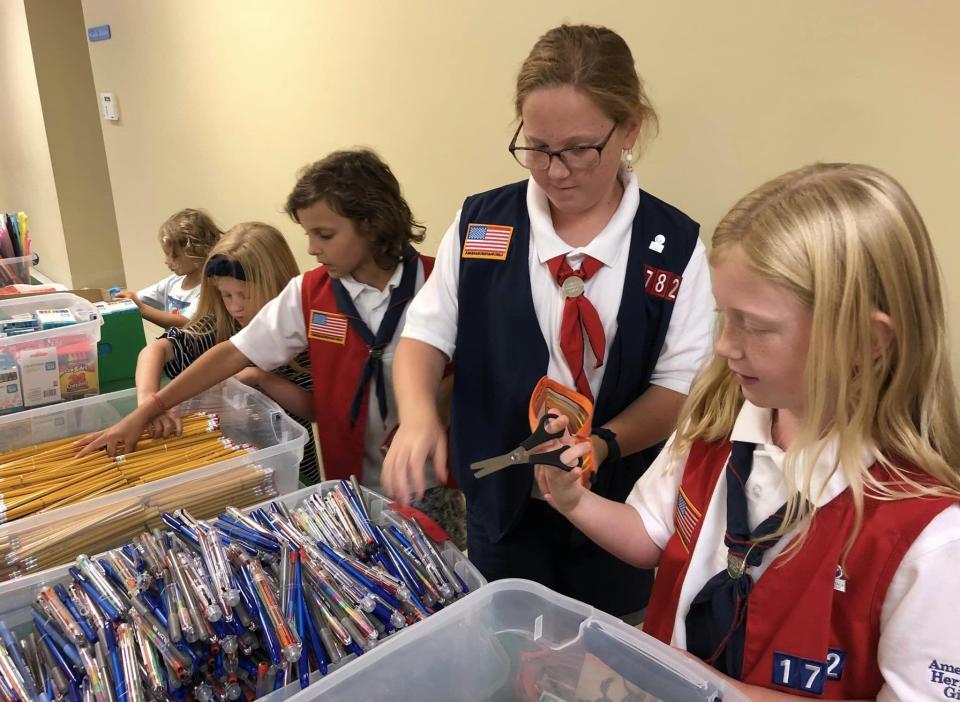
x=52, y=160
x=221, y=101
x=26, y=172
x=72, y=119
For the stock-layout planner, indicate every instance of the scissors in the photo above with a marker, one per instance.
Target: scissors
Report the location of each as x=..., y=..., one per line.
x=522, y=456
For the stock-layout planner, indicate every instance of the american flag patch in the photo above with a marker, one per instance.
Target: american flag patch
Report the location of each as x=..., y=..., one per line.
x=489, y=241
x=327, y=326
x=686, y=517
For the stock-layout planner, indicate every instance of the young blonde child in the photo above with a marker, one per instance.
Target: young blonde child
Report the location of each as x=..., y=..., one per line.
x=247, y=268
x=804, y=519
x=185, y=238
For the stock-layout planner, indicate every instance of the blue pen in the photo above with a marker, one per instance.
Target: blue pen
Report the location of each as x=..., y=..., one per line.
x=184, y=648
x=384, y=615
x=410, y=576
x=270, y=637
x=154, y=604
x=242, y=521
x=65, y=647
x=463, y=585
x=181, y=528
x=108, y=609
x=246, y=524
x=161, y=587
x=416, y=604
x=313, y=637
x=247, y=602
x=418, y=565
x=401, y=537
x=239, y=533
x=355, y=648
x=112, y=574
x=303, y=664
x=393, y=563
x=48, y=643
x=119, y=684
x=134, y=556
x=48, y=684
x=360, y=578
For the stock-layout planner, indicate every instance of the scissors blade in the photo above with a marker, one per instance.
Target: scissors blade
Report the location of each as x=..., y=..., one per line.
x=483, y=468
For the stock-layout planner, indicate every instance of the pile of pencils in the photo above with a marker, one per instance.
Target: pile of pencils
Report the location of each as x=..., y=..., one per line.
x=37, y=479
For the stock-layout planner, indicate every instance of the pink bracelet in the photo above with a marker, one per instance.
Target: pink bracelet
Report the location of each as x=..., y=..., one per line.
x=156, y=398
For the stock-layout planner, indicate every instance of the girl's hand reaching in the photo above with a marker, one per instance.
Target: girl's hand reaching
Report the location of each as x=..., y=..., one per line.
x=165, y=425
x=126, y=432
x=129, y=295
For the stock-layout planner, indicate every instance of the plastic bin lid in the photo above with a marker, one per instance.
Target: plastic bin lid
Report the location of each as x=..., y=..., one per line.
x=518, y=640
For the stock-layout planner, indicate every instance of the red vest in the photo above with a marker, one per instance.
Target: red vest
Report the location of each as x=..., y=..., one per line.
x=803, y=636
x=337, y=356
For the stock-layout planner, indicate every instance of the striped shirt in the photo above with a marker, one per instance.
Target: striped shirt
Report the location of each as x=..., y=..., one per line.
x=189, y=346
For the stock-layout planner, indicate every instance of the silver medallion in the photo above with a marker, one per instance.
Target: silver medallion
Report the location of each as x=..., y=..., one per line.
x=736, y=565
x=573, y=286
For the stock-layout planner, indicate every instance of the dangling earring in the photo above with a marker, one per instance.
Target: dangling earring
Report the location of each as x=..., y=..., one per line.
x=628, y=160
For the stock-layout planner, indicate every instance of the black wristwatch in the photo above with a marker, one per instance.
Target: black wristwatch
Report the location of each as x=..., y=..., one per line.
x=610, y=438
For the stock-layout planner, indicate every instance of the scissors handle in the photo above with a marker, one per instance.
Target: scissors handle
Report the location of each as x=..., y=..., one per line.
x=541, y=435
x=552, y=458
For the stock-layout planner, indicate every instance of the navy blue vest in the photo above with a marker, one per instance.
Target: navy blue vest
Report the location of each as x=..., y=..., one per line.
x=501, y=353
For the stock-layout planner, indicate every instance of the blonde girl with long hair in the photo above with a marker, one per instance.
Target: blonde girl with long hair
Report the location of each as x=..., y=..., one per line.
x=247, y=268
x=804, y=518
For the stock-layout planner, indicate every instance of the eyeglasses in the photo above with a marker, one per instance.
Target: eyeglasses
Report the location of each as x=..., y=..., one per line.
x=576, y=158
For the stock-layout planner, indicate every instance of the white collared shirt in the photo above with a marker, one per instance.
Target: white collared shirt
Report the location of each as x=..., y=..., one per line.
x=432, y=316
x=278, y=333
x=919, y=622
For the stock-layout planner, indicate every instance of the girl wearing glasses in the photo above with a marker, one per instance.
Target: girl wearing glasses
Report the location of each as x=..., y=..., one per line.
x=575, y=273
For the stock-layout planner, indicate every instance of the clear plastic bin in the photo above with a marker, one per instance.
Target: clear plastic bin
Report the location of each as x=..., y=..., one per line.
x=76, y=349
x=517, y=640
x=15, y=270
x=246, y=416
x=16, y=596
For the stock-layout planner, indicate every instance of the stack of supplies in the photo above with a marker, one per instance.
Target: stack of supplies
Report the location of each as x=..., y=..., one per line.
x=14, y=248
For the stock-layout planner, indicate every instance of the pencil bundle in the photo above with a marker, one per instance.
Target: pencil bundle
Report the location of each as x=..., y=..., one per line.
x=47, y=476
x=229, y=609
x=53, y=544
x=44, y=477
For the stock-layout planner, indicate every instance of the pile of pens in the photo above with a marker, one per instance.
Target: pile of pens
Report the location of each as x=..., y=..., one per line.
x=230, y=608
